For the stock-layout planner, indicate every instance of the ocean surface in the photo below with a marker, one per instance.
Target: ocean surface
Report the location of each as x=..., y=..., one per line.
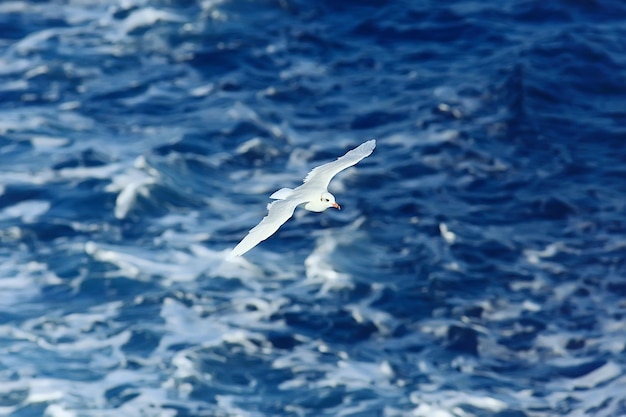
x=477, y=267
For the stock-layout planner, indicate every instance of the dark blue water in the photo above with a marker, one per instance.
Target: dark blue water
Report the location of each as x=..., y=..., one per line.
x=477, y=267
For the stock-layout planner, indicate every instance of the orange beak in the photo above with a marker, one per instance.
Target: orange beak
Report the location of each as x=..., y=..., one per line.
x=337, y=206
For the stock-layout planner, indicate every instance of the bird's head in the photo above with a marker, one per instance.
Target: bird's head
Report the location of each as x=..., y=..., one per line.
x=328, y=200
x=324, y=201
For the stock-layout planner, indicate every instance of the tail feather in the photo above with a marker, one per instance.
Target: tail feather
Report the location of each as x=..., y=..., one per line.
x=282, y=194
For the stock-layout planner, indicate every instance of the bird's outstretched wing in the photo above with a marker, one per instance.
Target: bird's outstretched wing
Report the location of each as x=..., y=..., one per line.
x=278, y=213
x=320, y=177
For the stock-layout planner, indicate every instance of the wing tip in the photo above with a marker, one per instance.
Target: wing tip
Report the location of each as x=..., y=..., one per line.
x=362, y=151
x=369, y=145
x=365, y=149
x=236, y=252
x=241, y=248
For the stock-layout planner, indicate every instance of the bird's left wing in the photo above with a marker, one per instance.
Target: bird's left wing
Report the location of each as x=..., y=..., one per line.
x=321, y=176
x=278, y=213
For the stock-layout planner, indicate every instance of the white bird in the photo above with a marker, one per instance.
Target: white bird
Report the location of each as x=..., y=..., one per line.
x=313, y=194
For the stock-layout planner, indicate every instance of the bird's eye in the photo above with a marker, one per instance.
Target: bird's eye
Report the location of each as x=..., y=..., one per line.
x=327, y=200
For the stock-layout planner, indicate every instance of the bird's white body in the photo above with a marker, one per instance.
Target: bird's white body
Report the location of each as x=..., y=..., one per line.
x=312, y=194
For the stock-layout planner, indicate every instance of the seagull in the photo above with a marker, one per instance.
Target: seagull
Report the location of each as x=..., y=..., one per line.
x=313, y=195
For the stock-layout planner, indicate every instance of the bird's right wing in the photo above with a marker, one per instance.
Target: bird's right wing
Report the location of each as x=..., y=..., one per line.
x=278, y=213
x=320, y=177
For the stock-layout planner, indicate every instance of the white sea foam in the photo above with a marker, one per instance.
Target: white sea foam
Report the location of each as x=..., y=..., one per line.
x=97, y=172
x=449, y=236
x=184, y=325
x=320, y=271
x=357, y=374
x=132, y=184
x=26, y=211
x=319, y=266
x=303, y=68
x=22, y=280
x=45, y=142
x=446, y=403
x=33, y=41
x=601, y=375
x=141, y=264
x=148, y=16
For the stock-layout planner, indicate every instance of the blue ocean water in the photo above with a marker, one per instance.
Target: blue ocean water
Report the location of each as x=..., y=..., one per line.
x=477, y=267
